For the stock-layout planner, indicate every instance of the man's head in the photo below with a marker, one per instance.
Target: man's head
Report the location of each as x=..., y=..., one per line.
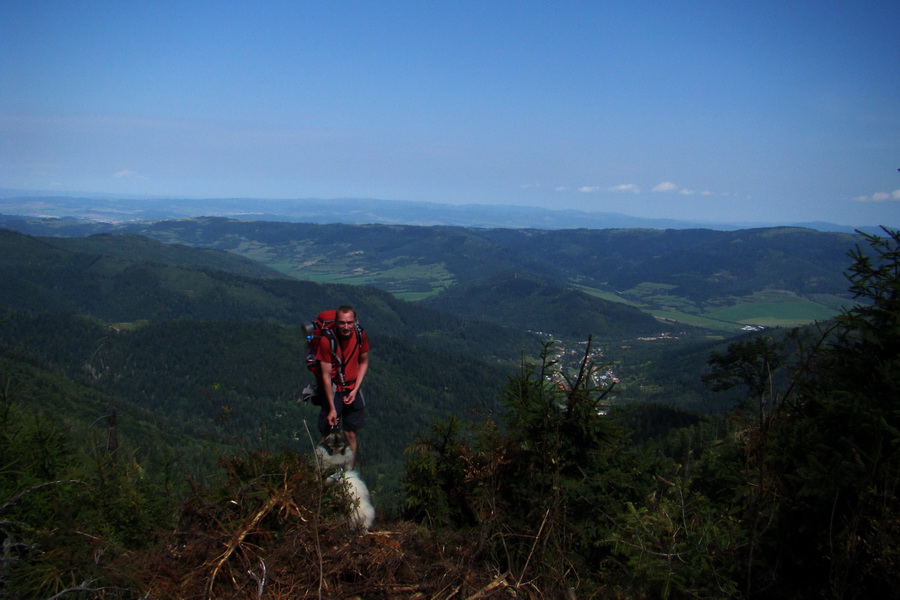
x=345, y=321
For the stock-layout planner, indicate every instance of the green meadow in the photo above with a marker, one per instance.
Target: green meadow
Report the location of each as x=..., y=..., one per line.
x=768, y=308
x=787, y=313
x=408, y=281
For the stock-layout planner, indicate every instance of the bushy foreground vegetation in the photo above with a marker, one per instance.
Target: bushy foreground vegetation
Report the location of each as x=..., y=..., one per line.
x=791, y=495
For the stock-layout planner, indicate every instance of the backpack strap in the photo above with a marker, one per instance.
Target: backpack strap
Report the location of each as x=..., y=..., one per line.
x=331, y=336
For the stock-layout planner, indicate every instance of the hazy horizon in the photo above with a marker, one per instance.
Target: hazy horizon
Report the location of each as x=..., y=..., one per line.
x=113, y=208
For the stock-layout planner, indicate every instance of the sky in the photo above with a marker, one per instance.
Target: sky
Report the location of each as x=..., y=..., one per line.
x=718, y=111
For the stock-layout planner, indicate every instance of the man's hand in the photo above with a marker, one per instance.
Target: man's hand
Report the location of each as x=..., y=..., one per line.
x=332, y=418
x=350, y=396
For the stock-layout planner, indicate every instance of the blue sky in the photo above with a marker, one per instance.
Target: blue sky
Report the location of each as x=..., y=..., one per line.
x=719, y=111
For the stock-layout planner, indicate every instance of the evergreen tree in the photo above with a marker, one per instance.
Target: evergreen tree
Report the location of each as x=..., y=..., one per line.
x=840, y=450
x=542, y=487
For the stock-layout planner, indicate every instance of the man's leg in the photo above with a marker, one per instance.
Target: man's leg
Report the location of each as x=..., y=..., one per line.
x=354, y=419
x=351, y=441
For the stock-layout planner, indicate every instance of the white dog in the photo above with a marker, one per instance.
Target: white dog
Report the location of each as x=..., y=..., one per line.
x=333, y=451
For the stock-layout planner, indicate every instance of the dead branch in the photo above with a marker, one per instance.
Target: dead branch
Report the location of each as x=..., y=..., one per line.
x=236, y=540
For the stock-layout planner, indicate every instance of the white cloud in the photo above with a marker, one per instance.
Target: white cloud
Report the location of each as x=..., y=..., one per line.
x=528, y=186
x=128, y=174
x=665, y=186
x=668, y=186
x=626, y=187
x=879, y=197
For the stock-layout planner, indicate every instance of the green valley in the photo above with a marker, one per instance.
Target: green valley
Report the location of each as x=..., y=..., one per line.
x=722, y=280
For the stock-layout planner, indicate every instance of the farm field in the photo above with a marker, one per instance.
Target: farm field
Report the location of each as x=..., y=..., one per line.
x=409, y=282
x=769, y=308
x=787, y=313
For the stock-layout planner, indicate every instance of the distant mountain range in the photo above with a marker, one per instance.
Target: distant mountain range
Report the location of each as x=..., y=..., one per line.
x=614, y=283
x=350, y=211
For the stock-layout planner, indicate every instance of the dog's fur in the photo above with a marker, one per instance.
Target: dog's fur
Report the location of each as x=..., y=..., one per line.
x=334, y=452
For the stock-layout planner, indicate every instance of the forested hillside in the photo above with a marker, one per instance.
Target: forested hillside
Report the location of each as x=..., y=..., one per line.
x=186, y=333
x=125, y=371
x=530, y=302
x=714, y=279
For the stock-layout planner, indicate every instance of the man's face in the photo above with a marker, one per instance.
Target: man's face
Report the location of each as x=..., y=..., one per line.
x=345, y=324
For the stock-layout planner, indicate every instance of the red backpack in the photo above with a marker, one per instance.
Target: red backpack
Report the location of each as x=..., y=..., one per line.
x=323, y=329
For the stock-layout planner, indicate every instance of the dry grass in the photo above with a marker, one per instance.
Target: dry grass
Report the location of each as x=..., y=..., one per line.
x=283, y=536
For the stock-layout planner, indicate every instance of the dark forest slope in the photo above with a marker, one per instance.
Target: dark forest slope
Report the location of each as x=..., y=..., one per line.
x=720, y=279
x=221, y=353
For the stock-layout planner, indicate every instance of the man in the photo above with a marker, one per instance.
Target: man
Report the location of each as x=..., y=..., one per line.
x=343, y=372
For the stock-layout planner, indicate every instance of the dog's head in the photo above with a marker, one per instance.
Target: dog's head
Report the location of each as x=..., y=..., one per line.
x=334, y=443
x=334, y=451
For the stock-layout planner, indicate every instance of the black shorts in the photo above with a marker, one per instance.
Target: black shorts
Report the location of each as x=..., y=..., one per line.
x=352, y=417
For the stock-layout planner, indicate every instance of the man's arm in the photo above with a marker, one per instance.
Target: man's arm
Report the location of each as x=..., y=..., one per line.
x=329, y=391
x=363, y=367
